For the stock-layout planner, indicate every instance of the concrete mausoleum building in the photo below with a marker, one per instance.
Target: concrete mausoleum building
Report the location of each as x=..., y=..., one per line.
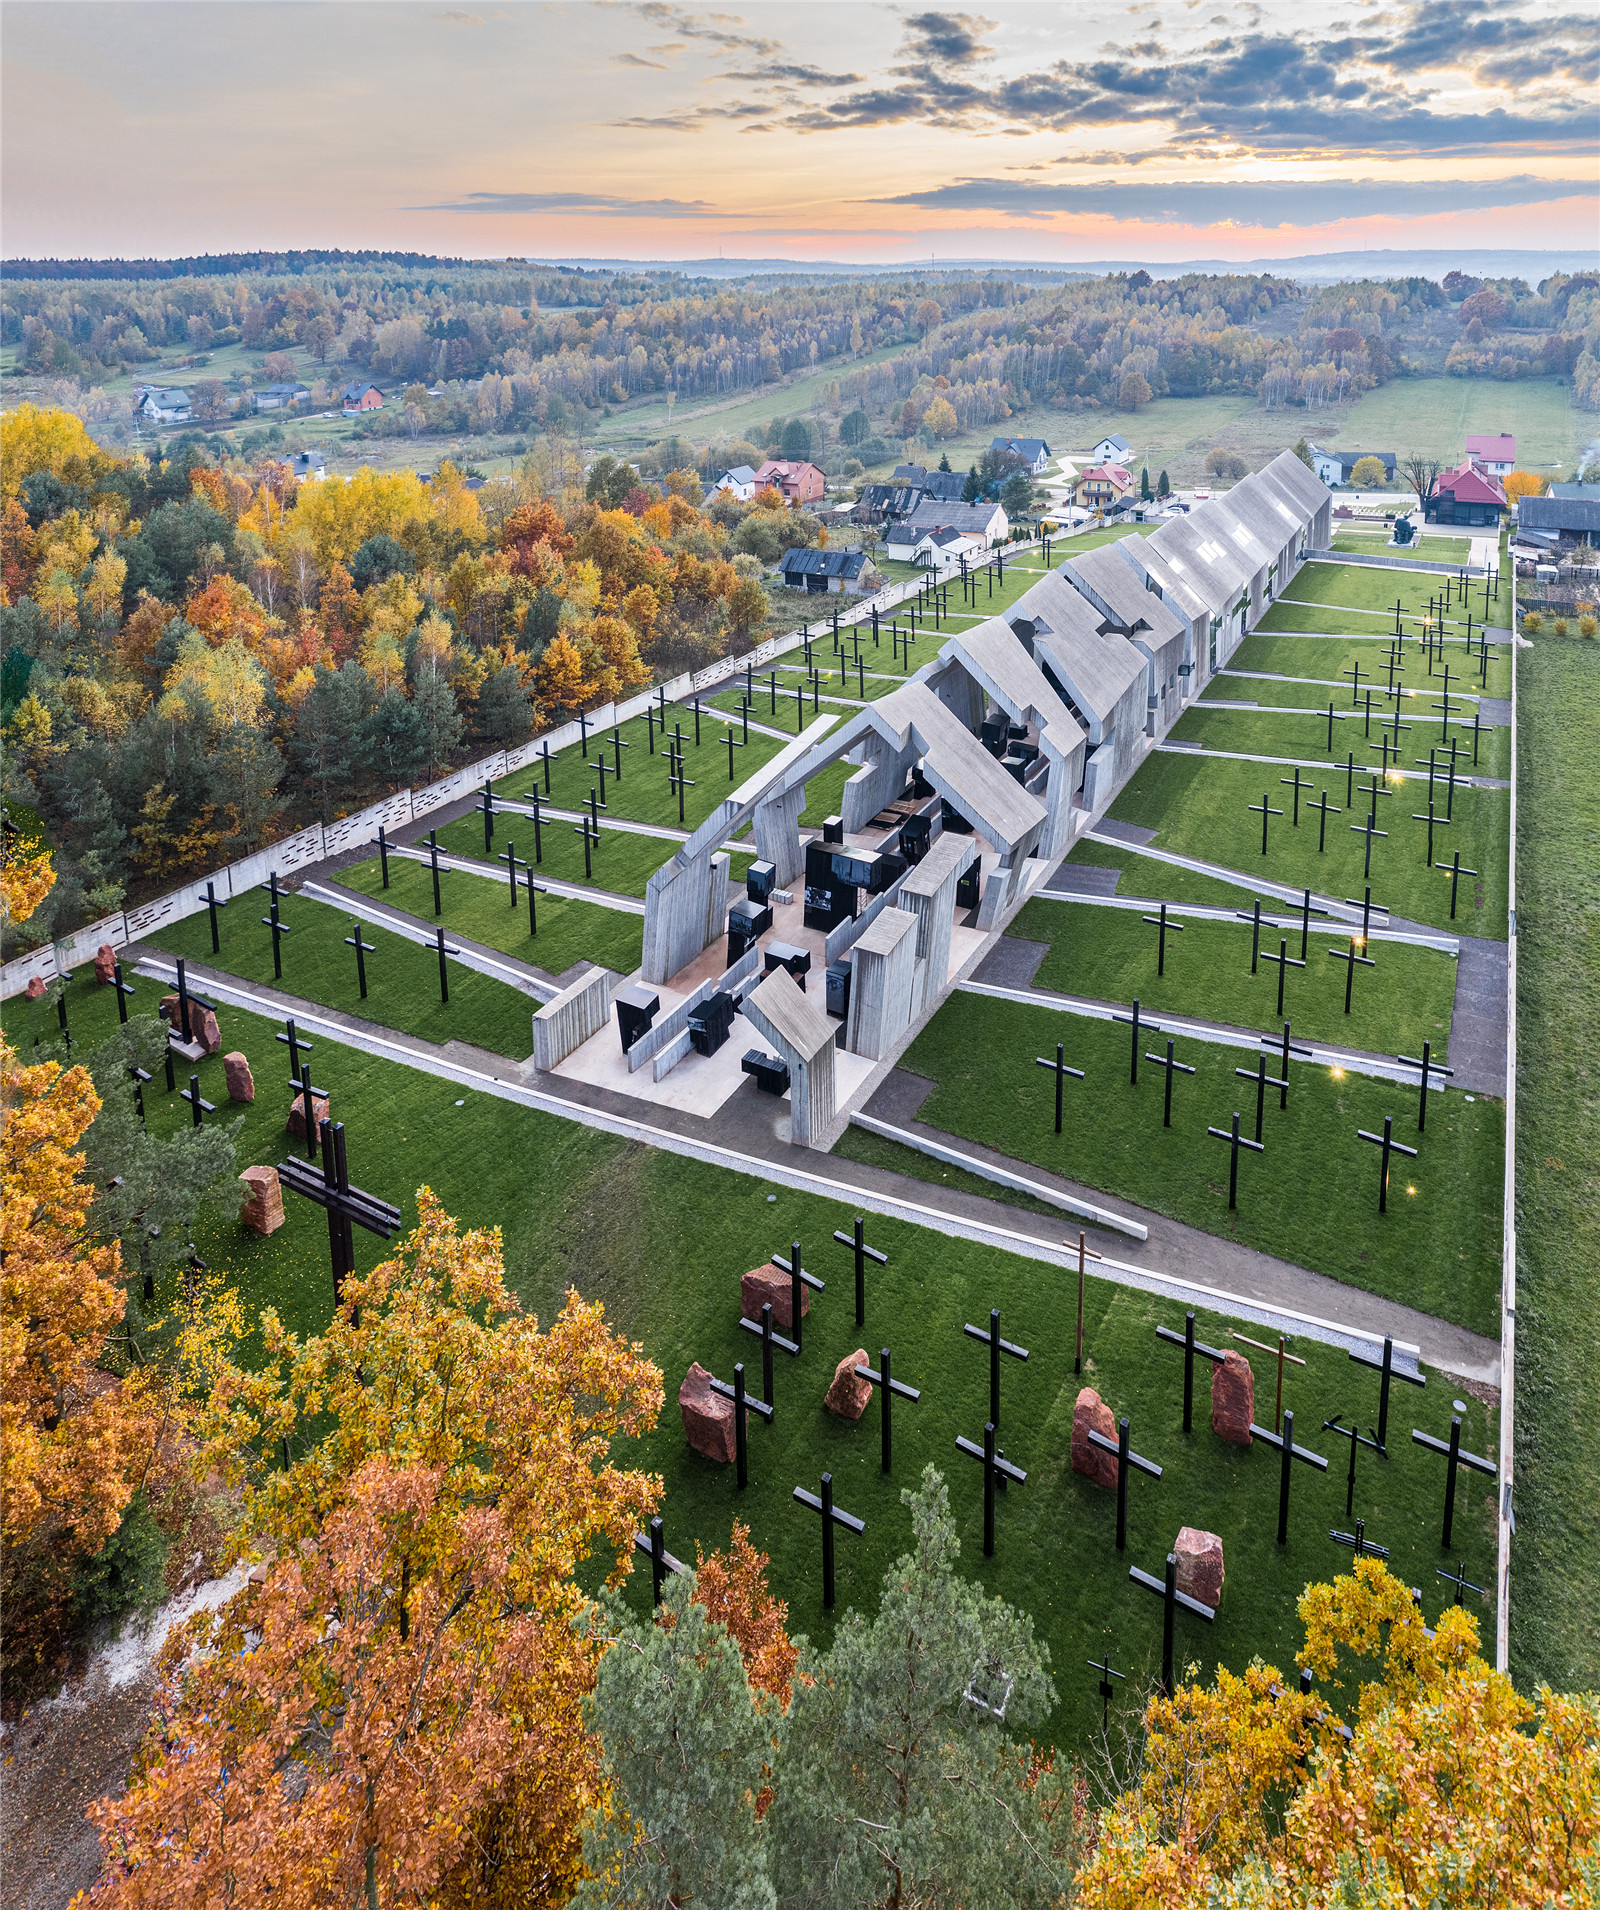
x=971, y=780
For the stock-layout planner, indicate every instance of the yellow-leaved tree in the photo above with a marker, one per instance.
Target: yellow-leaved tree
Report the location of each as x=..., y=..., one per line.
x=1450, y=1788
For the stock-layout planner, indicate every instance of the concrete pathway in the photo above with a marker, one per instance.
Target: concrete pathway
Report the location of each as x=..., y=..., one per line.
x=1310, y=762
x=1341, y=910
x=467, y=953
x=1326, y=682
x=1478, y=1046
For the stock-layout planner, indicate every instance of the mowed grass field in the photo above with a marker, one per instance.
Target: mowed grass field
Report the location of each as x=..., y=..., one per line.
x=1275, y=732
x=1329, y=660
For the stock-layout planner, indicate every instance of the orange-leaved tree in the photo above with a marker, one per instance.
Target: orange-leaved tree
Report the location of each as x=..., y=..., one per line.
x=1450, y=1786
x=1520, y=484
x=732, y=1586
x=392, y=1711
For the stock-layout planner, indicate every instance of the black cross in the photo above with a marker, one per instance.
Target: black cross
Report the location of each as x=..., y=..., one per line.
x=1388, y=1370
x=798, y=1276
x=1373, y=791
x=1433, y=822
x=1150, y=1027
x=486, y=804
x=1191, y=1346
x=123, y=991
x=1350, y=960
x=546, y=767
x=1396, y=725
x=654, y=1546
x=1286, y=1048
x=996, y=1347
x=1288, y=1452
x=306, y=1092
x=1333, y=717
x=1297, y=785
x=1168, y=1591
x=1172, y=1067
x=602, y=766
x=697, y=717
x=1367, y=905
x=140, y=1078
x=1456, y=871
x=1257, y=1074
x=831, y=1516
x=444, y=976
x=1107, y=1672
x=1461, y=1584
x=1254, y=919
x=588, y=846
x=1061, y=1072
x=1360, y=1545
x=732, y=745
x=857, y=1242
x=1355, y=674
x=191, y=1094
x=1126, y=1460
x=887, y=1388
x=617, y=747
x=513, y=862
x=347, y=1207
x=1264, y=809
x=1357, y=1439
x=595, y=806
x=1322, y=827
x=433, y=857
x=741, y=1430
x=1160, y=921
x=383, y=854
x=212, y=905
x=538, y=837
x=1237, y=1141
x=1285, y=962
x=583, y=732
x=363, y=950
x=278, y=929
x=769, y=1339
x=1366, y=716
x=1455, y=1457
x=533, y=888
x=1390, y=1145
x=997, y=1469
x=1085, y=1252
x=295, y=1043
x=1428, y=1067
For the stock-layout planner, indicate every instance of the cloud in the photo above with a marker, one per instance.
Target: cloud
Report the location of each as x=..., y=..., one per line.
x=947, y=38
x=691, y=119
x=596, y=204
x=715, y=28
x=1265, y=203
x=633, y=59
x=779, y=73
x=456, y=18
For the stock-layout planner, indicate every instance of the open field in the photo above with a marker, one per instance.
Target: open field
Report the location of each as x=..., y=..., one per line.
x=1553, y=1631
x=1429, y=549
x=1431, y=416
x=1274, y=732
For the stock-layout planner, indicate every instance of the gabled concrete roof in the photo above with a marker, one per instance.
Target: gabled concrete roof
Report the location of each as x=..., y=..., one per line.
x=1114, y=585
x=994, y=655
x=957, y=765
x=1302, y=487
x=1201, y=549
x=1095, y=671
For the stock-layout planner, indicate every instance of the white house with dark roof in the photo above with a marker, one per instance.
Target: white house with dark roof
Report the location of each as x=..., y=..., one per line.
x=276, y=397
x=1034, y=452
x=162, y=406
x=1110, y=449
x=938, y=533
x=740, y=482
x=828, y=570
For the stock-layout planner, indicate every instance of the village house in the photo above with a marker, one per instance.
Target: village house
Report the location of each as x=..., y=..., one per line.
x=160, y=406
x=819, y=571
x=796, y=481
x=307, y=466
x=1034, y=452
x=1111, y=450
x=946, y=486
x=1496, y=455
x=1563, y=521
x=360, y=396
x=275, y=397
x=1102, y=487
x=1465, y=496
x=939, y=535
x=740, y=482
x=1334, y=467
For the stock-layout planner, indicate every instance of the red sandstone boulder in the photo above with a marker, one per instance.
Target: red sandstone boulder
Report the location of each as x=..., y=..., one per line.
x=236, y=1072
x=1092, y=1412
x=262, y=1212
x=105, y=964
x=770, y=1283
x=1200, y=1572
x=202, y=1023
x=1233, y=1398
x=297, y=1115
x=848, y=1395
x=707, y=1416
x=35, y=988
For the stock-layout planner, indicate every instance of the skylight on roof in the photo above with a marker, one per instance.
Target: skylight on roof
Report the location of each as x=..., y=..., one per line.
x=1210, y=552
x=1242, y=537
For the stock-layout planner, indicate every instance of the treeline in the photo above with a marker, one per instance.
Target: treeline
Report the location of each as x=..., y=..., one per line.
x=200, y=654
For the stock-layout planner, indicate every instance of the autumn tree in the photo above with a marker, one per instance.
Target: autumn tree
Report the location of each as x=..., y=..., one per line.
x=939, y=420
x=1134, y=391
x=1368, y=473
x=448, y=1473
x=1520, y=484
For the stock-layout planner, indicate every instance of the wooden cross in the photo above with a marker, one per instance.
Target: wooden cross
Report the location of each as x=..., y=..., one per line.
x=123, y=991
x=769, y=1339
x=887, y=1388
x=1433, y=822
x=1282, y=1354
x=1461, y=1584
x=831, y=1516
x=617, y=747
x=433, y=857
x=1233, y=1136
x=1254, y=919
x=1390, y=1145
x=1107, y=1672
x=1355, y=674
x=1360, y=1545
x=1366, y=829
x=278, y=929
x=1333, y=717
x=1288, y=1452
x=486, y=804
x=513, y=862
x=383, y=855
x=444, y=974
x=296, y=1045
x=1257, y=1074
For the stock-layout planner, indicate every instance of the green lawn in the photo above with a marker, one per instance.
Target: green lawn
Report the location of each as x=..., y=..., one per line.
x=1201, y=807
x=569, y=930
x=1331, y=658
x=622, y=863
x=1317, y=590
x=402, y=978
x=1430, y=550
x=1553, y=1630
x=1311, y=1198
x=1144, y=876
x=1431, y=416
x=1110, y=955
x=1272, y=731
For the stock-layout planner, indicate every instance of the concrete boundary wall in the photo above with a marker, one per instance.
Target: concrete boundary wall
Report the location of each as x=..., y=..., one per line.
x=1391, y=563
x=577, y=1013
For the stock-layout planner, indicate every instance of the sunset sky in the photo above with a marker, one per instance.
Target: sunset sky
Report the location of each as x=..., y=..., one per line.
x=833, y=130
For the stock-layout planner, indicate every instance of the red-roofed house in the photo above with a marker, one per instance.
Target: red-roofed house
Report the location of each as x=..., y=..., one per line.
x=1098, y=489
x=796, y=481
x=1465, y=496
x=1497, y=455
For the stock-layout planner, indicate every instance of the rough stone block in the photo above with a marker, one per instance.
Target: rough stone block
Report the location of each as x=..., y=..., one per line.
x=297, y=1115
x=1091, y=1412
x=105, y=964
x=262, y=1211
x=1233, y=1398
x=848, y=1395
x=1200, y=1571
x=236, y=1072
x=35, y=988
x=202, y=1023
x=707, y=1417
x=762, y=1284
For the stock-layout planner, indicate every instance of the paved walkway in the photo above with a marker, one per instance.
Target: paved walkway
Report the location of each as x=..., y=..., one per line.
x=479, y=956
x=1325, y=682
x=1310, y=762
x=749, y=1135
x=1478, y=1047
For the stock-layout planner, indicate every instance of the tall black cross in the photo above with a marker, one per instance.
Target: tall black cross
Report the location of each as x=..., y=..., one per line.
x=513, y=862
x=831, y=1516
x=1285, y=1048
x=347, y=1207
x=1366, y=906
x=191, y=1094
x=486, y=804
x=1128, y=1462
x=538, y=825
x=433, y=859
x=763, y=1329
x=798, y=1277
x=617, y=747
x=363, y=949
x=1160, y=921
x=742, y=1405
x=1150, y=1027
x=301, y=1085
x=1334, y=716
x=1257, y=1074
x=732, y=745
x=1355, y=674
x=1433, y=822
x=997, y=1469
x=1325, y=809
x=123, y=991
x=1287, y=1452
x=1237, y=1140
x=996, y=1347
x=1191, y=1346
x=1389, y=1145
x=1357, y=1439
x=887, y=1387
x=444, y=949
x=1264, y=809
x=1387, y=1370
x=1296, y=783
x=383, y=855
x=279, y=929
x=213, y=903
x=1456, y=870
x=1254, y=919
x=1455, y=1457
x=1107, y=1672
x=140, y=1077
x=296, y=1044
x=857, y=1242
x=1428, y=1067
x=588, y=845
x=1285, y=962
x=1172, y=1067
x=1061, y=1071
x=1350, y=960
x=1167, y=1590
x=654, y=1547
